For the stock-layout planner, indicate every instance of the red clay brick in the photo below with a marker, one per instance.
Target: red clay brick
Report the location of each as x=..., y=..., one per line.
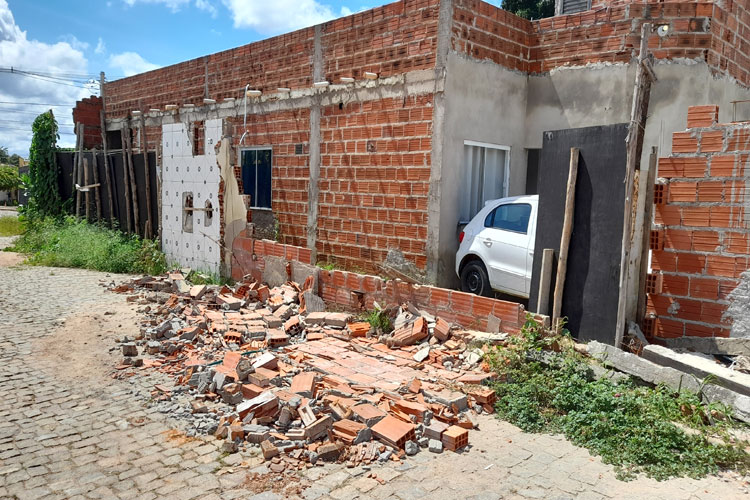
x=684, y=142
x=722, y=166
x=683, y=191
x=702, y=116
x=704, y=288
x=712, y=142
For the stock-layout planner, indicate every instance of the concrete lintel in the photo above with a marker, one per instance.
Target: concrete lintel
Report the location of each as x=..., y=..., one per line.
x=700, y=367
x=675, y=379
x=417, y=82
x=716, y=345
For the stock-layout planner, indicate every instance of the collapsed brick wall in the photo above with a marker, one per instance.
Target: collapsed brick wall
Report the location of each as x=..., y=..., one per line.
x=354, y=291
x=701, y=241
x=87, y=113
x=389, y=40
x=374, y=181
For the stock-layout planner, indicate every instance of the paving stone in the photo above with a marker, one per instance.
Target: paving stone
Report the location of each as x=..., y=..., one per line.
x=62, y=439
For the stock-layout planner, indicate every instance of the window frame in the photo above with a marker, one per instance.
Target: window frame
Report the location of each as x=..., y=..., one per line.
x=254, y=200
x=506, y=166
x=492, y=214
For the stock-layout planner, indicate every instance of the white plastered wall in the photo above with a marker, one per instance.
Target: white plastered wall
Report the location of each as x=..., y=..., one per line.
x=200, y=175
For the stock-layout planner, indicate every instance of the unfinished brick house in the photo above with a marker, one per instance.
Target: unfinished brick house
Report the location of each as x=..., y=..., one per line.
x=386, y=128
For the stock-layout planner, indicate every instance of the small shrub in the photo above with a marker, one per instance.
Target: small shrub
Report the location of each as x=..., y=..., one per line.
x=632, y=427
x=379, y=320
x=72, y=243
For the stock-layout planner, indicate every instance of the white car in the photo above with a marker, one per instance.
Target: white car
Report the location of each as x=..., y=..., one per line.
x=496, y=249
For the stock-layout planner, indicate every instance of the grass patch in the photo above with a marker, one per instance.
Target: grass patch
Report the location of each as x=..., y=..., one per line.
x=10, y=225
x=631, y=427
x=75, y=243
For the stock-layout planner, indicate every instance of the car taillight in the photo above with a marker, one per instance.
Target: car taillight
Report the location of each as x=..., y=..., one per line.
x=461, y=237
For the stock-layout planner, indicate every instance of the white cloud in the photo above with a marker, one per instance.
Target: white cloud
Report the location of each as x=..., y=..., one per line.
x=173, y=5
x=101, y=48
x=207, y=6
x=279, y=16
x=75, y=42
x=62, y=58
x=130, y=63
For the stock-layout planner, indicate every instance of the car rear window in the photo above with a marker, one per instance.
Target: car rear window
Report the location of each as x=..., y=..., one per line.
x=512, y=217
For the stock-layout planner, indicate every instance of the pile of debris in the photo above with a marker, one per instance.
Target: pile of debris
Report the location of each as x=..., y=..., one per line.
x=269, y=367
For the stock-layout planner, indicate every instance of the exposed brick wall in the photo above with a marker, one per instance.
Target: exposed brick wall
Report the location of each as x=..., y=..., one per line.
x=389, y=40
x=87, y=112
x=290, y=173
x=344, y=289
x=702, y=236
x=485, y=32
x=374, y=181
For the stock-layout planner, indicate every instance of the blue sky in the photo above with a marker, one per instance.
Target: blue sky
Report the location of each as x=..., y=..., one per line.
x=64, y=43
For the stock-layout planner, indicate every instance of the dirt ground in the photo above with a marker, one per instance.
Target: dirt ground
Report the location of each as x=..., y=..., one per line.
x=79, y=340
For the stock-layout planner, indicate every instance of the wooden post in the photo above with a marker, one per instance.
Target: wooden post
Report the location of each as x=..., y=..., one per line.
x=86, y=193
x=77, y=178
x=126, y=181
x=648, y=215
x=634, y=143
x=545, y=280
x=133, y=189
x=98, y=188
x=148, y=232
x=562, y=260
x=107, y=179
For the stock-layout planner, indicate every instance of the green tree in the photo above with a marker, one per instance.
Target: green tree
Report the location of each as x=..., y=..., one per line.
x=9, y=179
x=4, y=158
x=44, y=195
x=530, y=9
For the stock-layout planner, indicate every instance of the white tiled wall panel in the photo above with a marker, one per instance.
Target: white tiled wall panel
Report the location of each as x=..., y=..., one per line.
x=182, y=172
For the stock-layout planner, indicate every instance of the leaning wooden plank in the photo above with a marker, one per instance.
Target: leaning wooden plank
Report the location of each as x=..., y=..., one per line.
x=87, y=198
x=128, y=225
x=133, y=188
x=148, y=233
x=562, y=260
x=98, y=188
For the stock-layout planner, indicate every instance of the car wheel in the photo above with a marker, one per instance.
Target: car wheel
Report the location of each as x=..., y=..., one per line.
x=474, y=279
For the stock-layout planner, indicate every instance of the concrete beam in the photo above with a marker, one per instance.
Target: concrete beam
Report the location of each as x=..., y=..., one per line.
x=716, y=345
x=419, y=82
x=675, y=379
x=700, y=367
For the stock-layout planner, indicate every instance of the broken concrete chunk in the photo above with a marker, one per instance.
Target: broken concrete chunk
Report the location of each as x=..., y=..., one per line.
x=435, y=446
x=422, y=354
x=338, y=320
x=129, y=349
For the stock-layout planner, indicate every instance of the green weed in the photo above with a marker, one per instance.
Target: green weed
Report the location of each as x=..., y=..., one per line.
x=631, y=427
x=200, y=278
x=10, y=225
x=68, y=242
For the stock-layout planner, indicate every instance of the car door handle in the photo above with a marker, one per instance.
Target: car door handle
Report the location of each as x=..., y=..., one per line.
x=488, y=242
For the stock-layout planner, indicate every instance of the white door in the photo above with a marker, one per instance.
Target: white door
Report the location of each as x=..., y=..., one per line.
x=506, y=240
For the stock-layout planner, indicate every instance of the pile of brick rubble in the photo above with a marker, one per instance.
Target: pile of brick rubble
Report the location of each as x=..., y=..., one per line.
x=269, y=367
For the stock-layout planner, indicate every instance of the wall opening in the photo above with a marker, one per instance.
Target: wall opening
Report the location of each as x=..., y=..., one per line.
x=199, y=138
x=209, y=215
x=256, y=176
x=187, y=212
x=532, y=171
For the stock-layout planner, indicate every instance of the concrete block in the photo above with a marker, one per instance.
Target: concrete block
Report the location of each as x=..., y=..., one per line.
x=129, y=349
x=275, y=271
x=729, y=347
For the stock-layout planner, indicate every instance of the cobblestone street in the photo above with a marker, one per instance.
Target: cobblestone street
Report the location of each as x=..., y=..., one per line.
x=87, y=435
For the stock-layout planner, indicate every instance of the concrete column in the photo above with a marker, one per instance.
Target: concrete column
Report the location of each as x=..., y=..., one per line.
x=445, y=18
x=314, y=166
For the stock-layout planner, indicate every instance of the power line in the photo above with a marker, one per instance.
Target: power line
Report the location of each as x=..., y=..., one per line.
x=27, y=130
x=61, y=73
x=45, y=78
x=25, y=122
x=37, y=104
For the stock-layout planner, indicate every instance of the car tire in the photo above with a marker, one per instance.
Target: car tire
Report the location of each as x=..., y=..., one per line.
x=474, y=279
